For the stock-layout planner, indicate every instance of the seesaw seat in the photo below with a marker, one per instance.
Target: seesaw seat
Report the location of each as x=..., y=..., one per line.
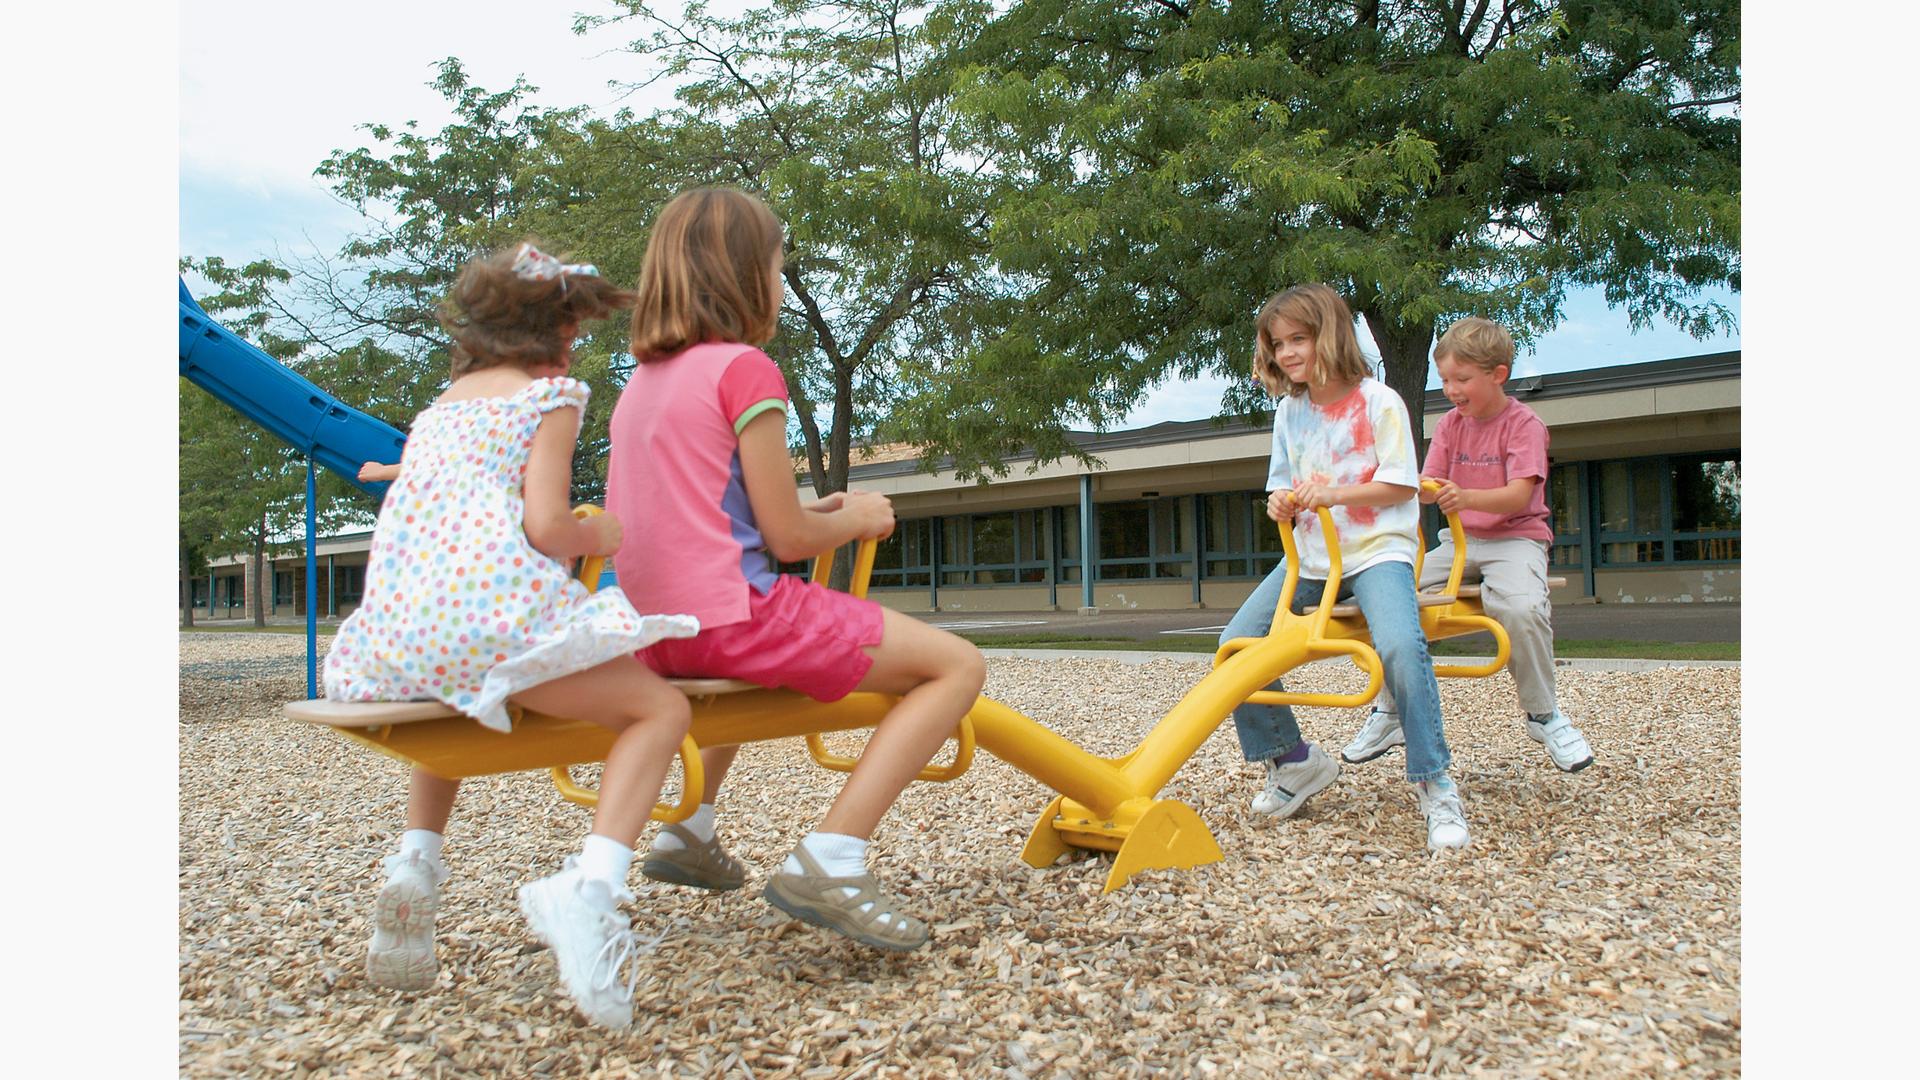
x=1473, y=590
x=1352, y=611
x=378, y=714
x=1104, y=804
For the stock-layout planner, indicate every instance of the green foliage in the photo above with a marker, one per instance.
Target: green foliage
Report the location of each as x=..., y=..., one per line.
x=1172, y=165
x=840, y=116
x=1004, y=225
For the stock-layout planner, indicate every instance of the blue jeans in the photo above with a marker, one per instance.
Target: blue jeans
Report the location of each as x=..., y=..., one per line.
x=1385, y=594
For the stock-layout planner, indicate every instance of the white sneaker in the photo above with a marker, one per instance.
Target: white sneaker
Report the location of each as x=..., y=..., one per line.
x=1381, y=733
x=591, y=941
x=400, y=956
x=1439, y=800
x=1289, y=785
x=1563, y=741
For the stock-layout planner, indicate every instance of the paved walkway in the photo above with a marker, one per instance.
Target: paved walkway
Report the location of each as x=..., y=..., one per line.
x=1626, y=622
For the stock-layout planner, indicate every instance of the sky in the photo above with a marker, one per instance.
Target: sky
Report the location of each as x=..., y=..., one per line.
x=257, y=116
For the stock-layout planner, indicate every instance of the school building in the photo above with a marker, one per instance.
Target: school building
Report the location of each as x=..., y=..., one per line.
x=1644, y=486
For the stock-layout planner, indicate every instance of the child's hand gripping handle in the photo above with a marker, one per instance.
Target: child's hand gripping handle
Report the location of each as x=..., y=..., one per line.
x=1430, y=491
x=863, y=556
x=607, y=538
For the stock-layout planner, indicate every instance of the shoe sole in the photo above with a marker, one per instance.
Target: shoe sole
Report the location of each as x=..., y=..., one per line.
x=539, y=915
x=806, y=914
x=1377, y=753
x=404, y=913
x=674, y=874
x=1300, y=798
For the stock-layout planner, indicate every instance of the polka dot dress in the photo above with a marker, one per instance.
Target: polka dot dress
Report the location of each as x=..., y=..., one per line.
x=458, y=607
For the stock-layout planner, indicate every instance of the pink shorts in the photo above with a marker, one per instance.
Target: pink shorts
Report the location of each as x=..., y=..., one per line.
x=800, y=636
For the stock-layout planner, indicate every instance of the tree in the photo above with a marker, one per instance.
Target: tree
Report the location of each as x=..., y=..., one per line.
x=840, y=116
x=1176, y=163
x=432, y=202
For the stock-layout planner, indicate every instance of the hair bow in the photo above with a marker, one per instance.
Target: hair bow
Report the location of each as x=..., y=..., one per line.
x=536, y=265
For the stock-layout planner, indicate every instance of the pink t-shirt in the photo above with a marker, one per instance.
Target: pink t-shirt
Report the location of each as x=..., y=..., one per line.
x=1490, y=453
x=673, y=479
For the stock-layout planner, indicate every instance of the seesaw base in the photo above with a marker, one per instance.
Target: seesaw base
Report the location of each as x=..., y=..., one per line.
x=1144, y=834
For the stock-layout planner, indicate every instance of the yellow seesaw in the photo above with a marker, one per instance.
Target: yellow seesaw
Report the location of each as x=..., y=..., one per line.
x=1105, y=804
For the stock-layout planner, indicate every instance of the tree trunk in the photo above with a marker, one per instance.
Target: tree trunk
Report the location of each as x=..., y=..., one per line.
x=1404, y=354
x=839, y=463
x=262, y=576
x=186, y=589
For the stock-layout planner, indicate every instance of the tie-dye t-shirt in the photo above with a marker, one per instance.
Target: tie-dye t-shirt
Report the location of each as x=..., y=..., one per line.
x=1363, y=436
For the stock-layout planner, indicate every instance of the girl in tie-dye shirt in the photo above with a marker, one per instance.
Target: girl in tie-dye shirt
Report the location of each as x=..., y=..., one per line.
x=1342, y=441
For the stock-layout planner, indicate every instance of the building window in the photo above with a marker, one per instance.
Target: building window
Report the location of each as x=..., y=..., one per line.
x=1068, y=544
x=1567, y=505
x=282, y=589
x=905, y=559
x=1240, y=540
x=994, y=549
x=1148, y=538
x=349, y=582
x=1663, y=510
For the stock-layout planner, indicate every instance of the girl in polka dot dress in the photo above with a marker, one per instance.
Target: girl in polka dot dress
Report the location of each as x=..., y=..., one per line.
x=468, y=601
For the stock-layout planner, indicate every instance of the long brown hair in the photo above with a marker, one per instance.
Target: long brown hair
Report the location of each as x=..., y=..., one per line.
x=1337, y=356
x=707, y=274
x=497, y=317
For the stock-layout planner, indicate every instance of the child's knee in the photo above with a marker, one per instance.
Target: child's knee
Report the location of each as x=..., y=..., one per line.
x=667, y=711
x=1508, y=609
x=1398, y=652
x=969, y=667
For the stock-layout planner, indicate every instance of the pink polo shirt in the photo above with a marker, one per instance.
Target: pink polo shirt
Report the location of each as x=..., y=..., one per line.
x=1489, y=453
x=673, y=479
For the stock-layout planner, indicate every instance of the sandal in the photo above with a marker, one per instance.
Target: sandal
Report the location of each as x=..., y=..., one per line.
x=703, y=864
x=823, y=901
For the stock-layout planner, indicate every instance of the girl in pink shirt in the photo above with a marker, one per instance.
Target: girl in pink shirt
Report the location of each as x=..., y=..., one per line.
x=700, y=473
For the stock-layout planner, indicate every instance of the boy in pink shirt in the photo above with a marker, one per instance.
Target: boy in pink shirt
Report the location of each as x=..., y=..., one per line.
x=1489, y=455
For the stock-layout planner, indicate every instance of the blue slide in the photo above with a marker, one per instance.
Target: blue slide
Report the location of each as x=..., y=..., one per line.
x=268, y=393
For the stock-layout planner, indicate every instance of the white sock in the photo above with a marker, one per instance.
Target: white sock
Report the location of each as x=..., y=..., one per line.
x=839, y=855
x=701, y=825
x=425, y=841
x=606, y=860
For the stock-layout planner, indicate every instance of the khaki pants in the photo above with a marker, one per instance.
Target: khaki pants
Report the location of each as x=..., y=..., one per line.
x=1512, y=574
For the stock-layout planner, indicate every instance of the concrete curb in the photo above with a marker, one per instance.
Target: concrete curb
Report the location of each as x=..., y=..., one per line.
x=1136, y=656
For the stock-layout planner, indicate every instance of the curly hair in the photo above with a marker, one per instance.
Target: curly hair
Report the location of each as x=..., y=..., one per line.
x=497, y=317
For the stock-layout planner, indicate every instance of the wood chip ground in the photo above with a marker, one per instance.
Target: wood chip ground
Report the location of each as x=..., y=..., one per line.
x=1592, y=928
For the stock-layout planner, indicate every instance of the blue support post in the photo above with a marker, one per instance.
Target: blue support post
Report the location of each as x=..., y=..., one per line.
x=1088, y=556
x=313, y=585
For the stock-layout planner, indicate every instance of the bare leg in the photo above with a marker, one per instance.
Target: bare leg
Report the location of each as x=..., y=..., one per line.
x=714, y=763
x=651, y=717
x=939, y=677
x=430, y=801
